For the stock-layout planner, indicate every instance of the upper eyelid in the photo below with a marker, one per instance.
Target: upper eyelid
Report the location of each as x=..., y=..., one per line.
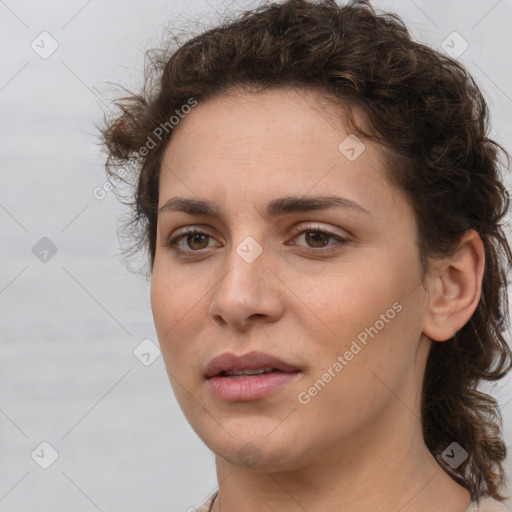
x=315, y=226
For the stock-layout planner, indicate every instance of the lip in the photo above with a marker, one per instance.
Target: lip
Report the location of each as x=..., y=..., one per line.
x=245, y=388
x=249, y=361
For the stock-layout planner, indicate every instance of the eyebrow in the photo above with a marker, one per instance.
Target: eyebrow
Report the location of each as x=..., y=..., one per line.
x=276, y=207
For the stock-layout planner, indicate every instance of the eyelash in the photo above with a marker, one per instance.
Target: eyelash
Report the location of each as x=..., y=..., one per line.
x=173, y=241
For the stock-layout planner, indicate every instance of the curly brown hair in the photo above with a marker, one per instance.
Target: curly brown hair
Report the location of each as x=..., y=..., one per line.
x=428, y=114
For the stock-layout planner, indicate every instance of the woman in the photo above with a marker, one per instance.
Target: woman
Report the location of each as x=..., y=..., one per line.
x=323, y=213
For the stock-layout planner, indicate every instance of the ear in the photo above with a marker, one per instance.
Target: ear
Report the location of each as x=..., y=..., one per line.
x=454, y=288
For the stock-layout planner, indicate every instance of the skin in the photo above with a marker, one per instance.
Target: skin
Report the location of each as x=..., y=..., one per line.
x=358, y=444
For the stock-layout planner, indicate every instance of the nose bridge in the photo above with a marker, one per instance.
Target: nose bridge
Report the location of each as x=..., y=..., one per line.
x=245, y=269
x=246, y=255
x=245, y=291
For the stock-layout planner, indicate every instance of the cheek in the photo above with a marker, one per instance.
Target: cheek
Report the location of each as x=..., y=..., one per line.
x=344, y=303
x=367, y=315
x=178, y=313
x=168, y=306
x=163, y=303
x=171, y=297
x=358, y=369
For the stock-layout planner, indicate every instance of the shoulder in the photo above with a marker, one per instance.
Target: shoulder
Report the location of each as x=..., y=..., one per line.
x=205, y=507
x=492, y=505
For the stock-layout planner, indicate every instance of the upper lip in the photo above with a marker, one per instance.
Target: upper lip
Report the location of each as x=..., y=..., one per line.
x=249, y=361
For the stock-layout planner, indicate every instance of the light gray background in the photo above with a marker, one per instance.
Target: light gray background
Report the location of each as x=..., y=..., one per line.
x=69, y=326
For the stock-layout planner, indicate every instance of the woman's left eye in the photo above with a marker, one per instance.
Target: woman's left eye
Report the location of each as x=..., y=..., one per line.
x=316, y=238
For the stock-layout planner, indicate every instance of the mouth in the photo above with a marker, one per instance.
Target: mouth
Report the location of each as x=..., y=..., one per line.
x=252, y=376
x=249, y=364
x=237, y=374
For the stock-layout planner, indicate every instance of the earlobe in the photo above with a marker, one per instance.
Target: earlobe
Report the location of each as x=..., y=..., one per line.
x=454, y=289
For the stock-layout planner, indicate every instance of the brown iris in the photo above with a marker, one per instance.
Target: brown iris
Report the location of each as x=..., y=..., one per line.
x=199, y=238
x=317, y=238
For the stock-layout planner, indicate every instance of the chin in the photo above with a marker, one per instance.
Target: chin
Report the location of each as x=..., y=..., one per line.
x=259, y=452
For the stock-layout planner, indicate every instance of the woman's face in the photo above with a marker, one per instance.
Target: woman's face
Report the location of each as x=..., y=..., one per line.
x=333, y=290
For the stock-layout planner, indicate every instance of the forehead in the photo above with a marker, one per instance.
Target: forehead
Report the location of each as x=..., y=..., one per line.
x=273, y=143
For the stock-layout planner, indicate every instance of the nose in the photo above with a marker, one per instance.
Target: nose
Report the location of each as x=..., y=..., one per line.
x=247, y=294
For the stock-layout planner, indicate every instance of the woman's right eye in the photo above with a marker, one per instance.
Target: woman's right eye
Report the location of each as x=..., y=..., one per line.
x=192, y=238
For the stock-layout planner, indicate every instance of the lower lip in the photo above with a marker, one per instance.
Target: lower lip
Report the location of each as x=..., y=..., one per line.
x=246, y=388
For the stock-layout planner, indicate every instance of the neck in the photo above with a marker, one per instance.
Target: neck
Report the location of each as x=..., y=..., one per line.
x=394, y=471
